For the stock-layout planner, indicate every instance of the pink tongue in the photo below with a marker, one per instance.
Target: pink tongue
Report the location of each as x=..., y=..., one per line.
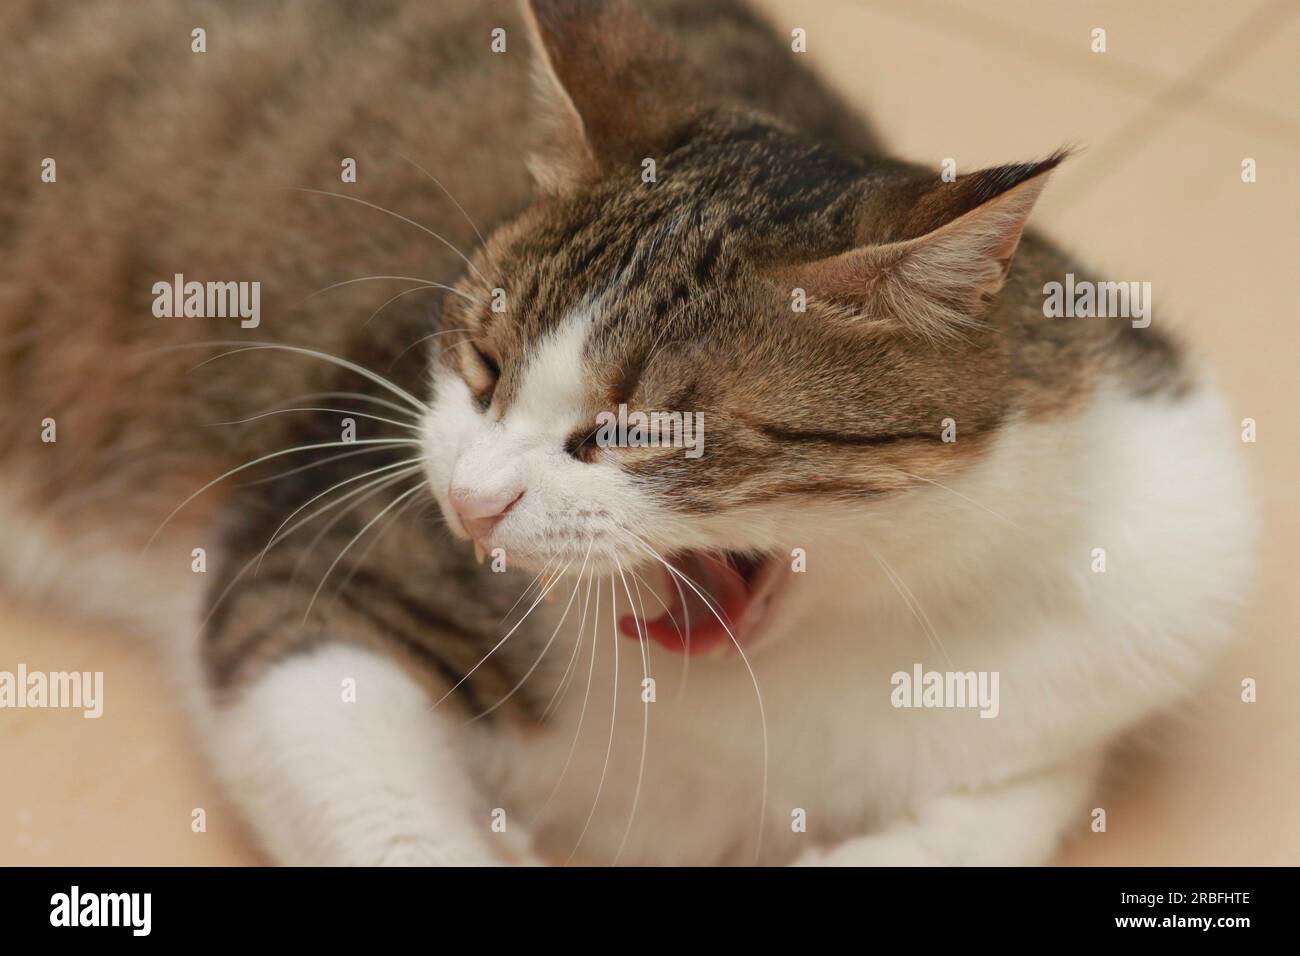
x=694, y=628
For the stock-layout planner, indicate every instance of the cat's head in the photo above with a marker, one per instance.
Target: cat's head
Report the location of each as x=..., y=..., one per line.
x=816, y=319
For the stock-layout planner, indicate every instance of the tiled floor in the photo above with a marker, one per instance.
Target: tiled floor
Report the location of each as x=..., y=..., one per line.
x=1163, y=119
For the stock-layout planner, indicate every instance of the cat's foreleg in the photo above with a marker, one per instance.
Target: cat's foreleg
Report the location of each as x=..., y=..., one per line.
x=336, y=757
x=1019, y=823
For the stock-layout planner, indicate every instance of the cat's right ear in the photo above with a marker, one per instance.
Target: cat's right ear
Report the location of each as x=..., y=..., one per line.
x=951, y=252
x=610, y=84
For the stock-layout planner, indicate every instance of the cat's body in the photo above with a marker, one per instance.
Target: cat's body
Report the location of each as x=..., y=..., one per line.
x=1071, y=436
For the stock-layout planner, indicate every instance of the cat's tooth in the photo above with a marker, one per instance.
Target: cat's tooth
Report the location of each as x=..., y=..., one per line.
x=479, y=554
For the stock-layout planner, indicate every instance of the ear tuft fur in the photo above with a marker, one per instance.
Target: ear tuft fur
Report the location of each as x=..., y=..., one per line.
x=940, y=281
x=611, y=86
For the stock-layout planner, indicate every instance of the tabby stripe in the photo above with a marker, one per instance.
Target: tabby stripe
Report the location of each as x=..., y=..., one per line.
x=781, y=433
x=365, y=608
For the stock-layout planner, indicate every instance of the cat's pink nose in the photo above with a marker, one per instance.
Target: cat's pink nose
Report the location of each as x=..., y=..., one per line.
x=479, y=511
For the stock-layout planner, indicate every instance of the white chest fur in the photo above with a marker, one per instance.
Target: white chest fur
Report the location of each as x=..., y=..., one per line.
x=998, y=575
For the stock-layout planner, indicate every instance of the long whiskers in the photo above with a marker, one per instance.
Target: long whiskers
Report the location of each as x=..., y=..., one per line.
x=531, y=584
x=582, y=714
x=355, y=396
x=563, y=617
x=389, y=212
x=468, y=674
x=422, y=285
x=613, y=719
x=238, y=347
x=315, y=464
x=446, y=192
x=410, y=465
x=645, y=723
x=954, y=491
x=562, y=686
x=362, y=495
x=420, y=341
x=377, y=485
x=913, y=605
x=275, y=454
x=758, y=694
x=405, y=292
x=361, y=558
x=311, y=408
x=366, y=527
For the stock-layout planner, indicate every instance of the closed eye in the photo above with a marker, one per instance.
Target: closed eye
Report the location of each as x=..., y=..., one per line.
x=582, y=445
x=481, y=373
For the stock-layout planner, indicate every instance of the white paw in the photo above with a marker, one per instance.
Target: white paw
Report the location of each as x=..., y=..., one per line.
x=414, y=851
x=404, y=852
x=897, y=847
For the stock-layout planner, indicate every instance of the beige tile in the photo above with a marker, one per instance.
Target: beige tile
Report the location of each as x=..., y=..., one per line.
x=984, y=83
x=1269, y=77
x=1146, y=42
x=935, y=93
x=120, y=789
x=1155, y=195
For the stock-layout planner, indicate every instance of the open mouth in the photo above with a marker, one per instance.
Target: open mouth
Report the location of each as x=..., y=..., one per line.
x=716, y=601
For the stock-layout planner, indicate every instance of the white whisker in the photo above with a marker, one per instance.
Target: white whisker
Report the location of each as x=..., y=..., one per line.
x=361, y=558
x=366, y=527
x=301, y=468
x=963, y=497
x=541, y=597
x=389, y=212
x=762, y=711
x=314, y=408
x=913, y=605
x=405, y=292
x=528, y=673
x=274, y=454
x=420, y=340
x=411, y=466
x=358, y=396
x=446, y=192
x=366, y=492
x=562, y=686
x=582, y=714
x=613, y=718
x=645, y=722
x=375, y=377
x=423, y=284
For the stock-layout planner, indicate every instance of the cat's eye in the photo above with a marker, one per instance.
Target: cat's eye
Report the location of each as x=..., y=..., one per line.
x=582, y=445
x=481, y=372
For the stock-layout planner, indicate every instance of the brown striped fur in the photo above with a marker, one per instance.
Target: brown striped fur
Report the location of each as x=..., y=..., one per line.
x=171, y=161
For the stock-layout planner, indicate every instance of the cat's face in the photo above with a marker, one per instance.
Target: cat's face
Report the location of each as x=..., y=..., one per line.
x=802, y=374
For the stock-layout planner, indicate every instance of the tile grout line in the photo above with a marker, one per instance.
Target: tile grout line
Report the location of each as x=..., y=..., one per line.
x=1177, y=98
x=1230, y=111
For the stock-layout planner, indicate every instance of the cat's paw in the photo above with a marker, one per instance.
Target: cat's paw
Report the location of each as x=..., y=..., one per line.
x=413, y=852
x=892, y=848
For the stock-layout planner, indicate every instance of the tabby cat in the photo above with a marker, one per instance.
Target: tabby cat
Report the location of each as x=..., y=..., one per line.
x=475, y=228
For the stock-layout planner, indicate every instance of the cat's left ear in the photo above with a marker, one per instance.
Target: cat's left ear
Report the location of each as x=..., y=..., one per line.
x=611, y=85
x=956, y=241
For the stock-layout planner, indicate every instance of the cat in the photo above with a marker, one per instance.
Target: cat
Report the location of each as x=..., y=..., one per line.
x=478, y=226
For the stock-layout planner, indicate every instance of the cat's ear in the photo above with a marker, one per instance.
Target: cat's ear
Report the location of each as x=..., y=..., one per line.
x=954, y=251
x=611, y=85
